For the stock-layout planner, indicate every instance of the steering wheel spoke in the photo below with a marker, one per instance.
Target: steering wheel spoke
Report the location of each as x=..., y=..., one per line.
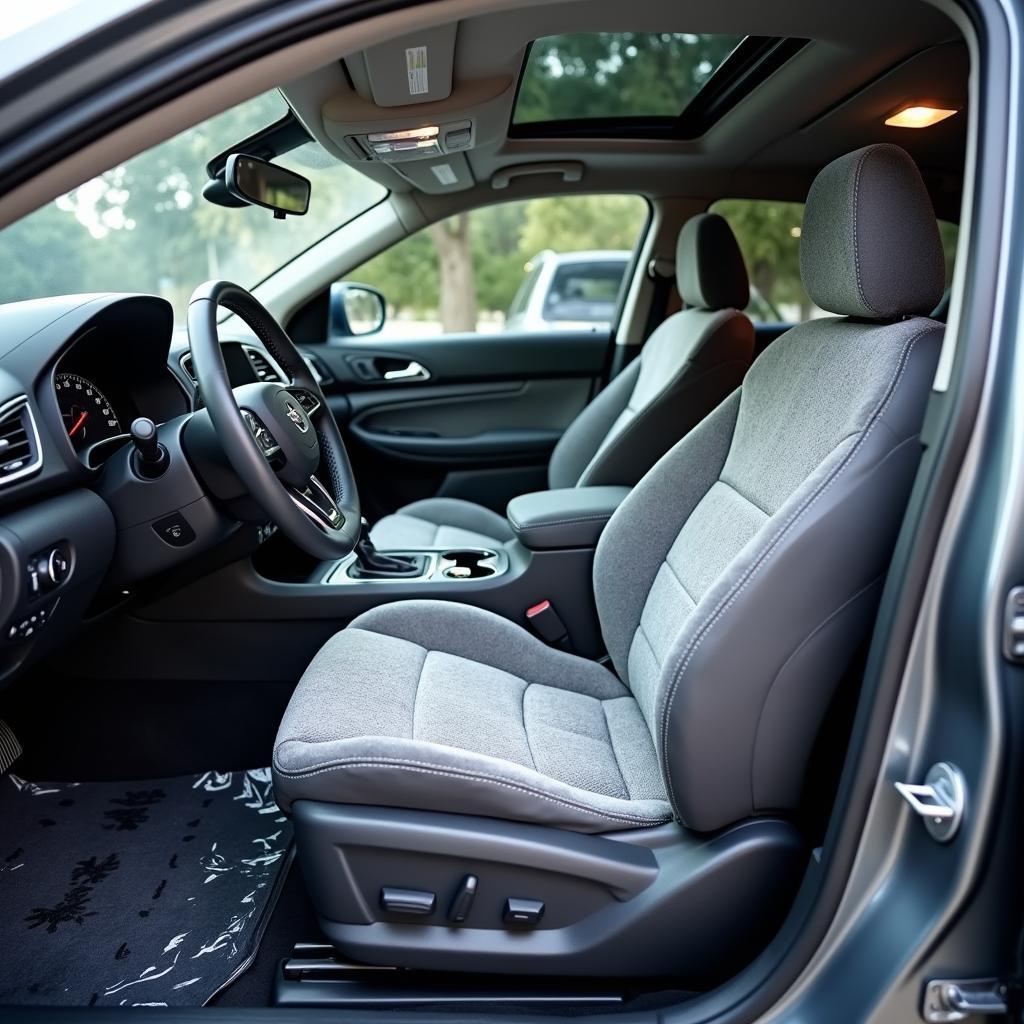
x=318, y=505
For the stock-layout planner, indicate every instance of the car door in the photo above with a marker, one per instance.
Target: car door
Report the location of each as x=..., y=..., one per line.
x=472, y=377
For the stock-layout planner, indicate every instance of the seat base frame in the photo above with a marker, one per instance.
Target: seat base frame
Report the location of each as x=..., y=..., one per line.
x=660, y=901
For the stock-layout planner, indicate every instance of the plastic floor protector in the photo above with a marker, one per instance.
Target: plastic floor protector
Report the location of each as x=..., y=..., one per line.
x=149, y=893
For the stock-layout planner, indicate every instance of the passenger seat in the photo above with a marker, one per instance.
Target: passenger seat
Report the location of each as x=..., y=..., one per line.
x=690, y=363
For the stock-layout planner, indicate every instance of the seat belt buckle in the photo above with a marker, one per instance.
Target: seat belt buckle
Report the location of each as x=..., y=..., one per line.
x=548, y=625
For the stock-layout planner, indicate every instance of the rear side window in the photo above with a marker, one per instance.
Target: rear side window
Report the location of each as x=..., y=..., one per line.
x=768, y=233
x=585, y=292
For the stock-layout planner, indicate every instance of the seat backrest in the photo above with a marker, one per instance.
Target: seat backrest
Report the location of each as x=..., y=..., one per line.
x=688, y=365
x=740, y=575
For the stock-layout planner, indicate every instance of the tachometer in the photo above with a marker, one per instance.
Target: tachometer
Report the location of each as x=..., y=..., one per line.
x=88, y=416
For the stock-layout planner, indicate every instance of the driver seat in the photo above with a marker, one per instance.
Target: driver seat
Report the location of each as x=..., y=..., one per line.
x=638, y=818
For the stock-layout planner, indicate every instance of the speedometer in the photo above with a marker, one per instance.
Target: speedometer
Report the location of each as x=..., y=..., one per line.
x=88, y=416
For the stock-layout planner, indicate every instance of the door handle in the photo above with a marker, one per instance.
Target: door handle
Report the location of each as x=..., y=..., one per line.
x=413, y=371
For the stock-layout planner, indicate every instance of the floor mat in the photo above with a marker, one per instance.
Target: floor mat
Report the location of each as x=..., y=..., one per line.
x=146, y=893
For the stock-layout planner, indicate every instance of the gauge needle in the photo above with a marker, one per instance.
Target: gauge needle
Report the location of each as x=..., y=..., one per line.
x=81, y=419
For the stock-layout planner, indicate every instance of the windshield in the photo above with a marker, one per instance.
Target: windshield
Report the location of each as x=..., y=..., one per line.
x=143, y=226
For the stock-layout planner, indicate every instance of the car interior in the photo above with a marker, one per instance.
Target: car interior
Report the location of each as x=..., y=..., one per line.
x=352, y=665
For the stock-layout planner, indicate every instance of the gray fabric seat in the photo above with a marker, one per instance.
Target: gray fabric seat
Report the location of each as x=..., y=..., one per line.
x=688, y=365
x=733, y=584
x=453, y=697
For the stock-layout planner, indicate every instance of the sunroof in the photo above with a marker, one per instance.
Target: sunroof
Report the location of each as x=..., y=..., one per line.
x=609, y=76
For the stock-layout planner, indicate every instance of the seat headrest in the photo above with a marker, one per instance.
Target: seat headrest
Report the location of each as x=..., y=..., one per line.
x=710, y=272
x=870, y=246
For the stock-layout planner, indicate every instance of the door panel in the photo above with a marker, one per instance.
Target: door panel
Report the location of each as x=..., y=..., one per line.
x=476, y=419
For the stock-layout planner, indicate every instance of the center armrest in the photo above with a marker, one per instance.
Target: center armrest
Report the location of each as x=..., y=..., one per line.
x=571, y=517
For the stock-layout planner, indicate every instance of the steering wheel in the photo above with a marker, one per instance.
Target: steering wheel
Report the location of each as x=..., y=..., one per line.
x=277, y=437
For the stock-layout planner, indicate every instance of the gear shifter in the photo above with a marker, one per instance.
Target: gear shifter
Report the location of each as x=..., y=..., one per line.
x=370, y=564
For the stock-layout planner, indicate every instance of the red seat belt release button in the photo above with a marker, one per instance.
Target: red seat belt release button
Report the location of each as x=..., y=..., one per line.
x=546, y=623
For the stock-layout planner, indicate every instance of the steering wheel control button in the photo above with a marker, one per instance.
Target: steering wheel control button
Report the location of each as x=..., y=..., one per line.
x=174, y=530
x=463, y=900
x=522, y=913
x=407, y=901
x=261, y=435
x=309, y=402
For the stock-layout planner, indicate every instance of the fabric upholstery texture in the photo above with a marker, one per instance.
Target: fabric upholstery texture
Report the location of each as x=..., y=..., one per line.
x=470, y=710
x=733, y=585
x=869, y=245
x=687, y=366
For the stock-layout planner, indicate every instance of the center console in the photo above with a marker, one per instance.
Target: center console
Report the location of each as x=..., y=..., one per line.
x=444, y=565
x=301, y=604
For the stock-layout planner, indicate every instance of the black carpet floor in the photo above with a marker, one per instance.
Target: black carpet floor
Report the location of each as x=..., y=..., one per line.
x=149, y=893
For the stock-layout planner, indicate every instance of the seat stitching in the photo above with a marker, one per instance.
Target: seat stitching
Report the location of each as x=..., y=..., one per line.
x=856, y=244
x=426, y=768
x=672, y=569
x=590, y=517
x=419, y=685
x=748, y=500
x=614, y=749
x=771, y=545
x=647, y=640
x=526, y=730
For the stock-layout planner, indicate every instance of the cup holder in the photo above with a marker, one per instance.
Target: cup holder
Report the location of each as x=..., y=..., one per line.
x=468, y=565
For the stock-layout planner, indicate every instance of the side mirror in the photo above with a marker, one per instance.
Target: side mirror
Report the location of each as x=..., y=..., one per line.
x=355, y=310
x=260, y=183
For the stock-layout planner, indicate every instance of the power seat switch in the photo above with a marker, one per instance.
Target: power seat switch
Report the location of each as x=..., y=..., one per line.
x=522, y=913
x=407, y=901
x=463, y=900
x=1013, y=626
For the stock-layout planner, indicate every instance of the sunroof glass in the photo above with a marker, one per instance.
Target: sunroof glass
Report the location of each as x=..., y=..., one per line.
x=617, y=74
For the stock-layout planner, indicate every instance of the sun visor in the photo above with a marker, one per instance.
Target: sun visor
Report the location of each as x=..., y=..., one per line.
x=412, y=69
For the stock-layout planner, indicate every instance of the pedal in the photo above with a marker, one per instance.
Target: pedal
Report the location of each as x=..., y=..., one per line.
x=10, y=748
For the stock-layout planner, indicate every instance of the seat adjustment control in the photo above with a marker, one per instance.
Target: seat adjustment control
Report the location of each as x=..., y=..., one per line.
x=522, y=913
x=407, y=901
x=463, y=900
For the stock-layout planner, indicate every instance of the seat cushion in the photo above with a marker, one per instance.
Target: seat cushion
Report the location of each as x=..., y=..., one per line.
x=438, y=706
x=441, y=523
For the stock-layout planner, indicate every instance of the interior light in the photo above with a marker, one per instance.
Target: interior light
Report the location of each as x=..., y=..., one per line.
x=918, y=116
x=429, y=132
x=795, y=232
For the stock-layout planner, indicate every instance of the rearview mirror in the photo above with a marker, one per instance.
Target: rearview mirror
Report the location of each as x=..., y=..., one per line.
x=355, y=310
x=269, y=185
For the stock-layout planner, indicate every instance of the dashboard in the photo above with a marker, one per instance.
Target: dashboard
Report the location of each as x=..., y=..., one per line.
x=80, y=527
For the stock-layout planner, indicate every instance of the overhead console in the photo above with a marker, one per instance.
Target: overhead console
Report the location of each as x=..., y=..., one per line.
x=409, y=109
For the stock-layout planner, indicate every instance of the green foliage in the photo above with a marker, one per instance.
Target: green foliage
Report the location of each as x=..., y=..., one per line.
x=769, y=238
x=503, y=238
x=617, y=74
x=143, y=225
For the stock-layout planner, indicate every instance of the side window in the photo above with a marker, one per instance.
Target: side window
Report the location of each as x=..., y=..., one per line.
x=534, y=265
x=768, y=233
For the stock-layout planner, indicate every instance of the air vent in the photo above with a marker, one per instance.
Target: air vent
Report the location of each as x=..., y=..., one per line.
x=265, y=369
x=20, y=453
x=188, y=369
